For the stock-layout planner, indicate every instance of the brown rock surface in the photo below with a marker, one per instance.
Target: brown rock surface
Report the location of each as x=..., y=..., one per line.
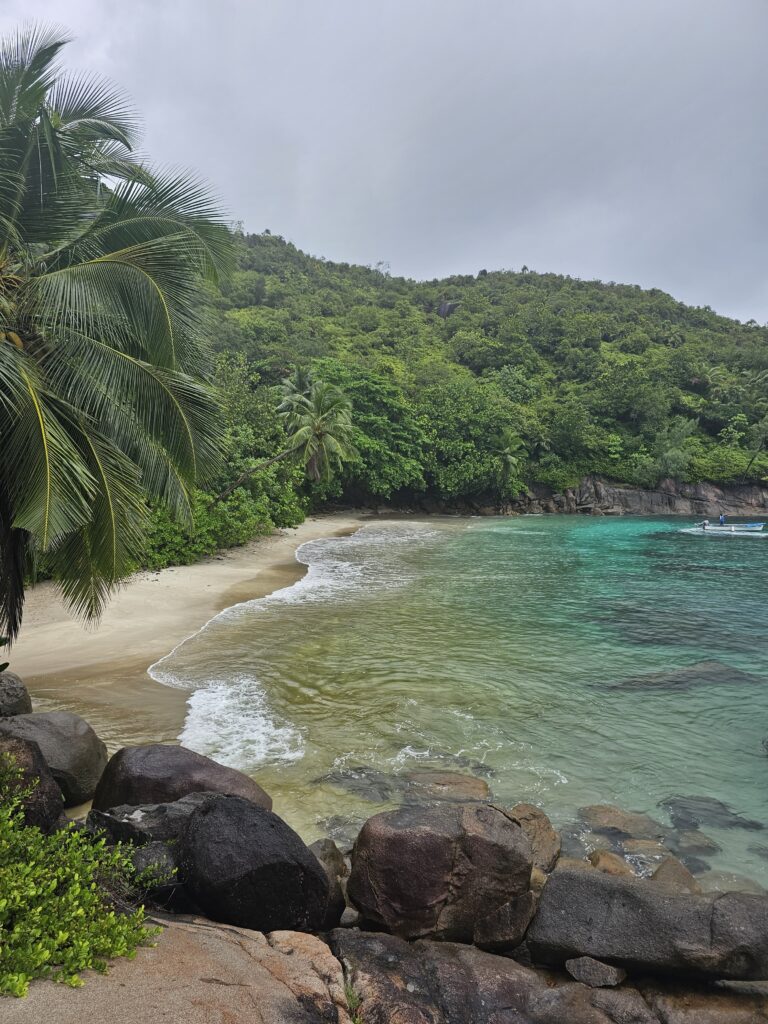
x=610, y=863
x=426, y=786
x=544, y=839
x=200, y=973
x=607, y=818
x=437, y=870
x=675, y=876
x=160, y=773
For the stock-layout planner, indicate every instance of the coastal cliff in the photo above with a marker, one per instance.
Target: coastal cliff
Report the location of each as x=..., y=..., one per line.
x=597, y=496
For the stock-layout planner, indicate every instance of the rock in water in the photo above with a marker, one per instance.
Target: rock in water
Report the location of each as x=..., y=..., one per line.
x=243, y=865
x=435, y=871
x=638, y=925
x=425, y=786
x=675, y=876
x=544, y=839
x=610, y=820
x=45, y=804
x=14, y=699
x=689, y=812
x=161, y=773
x=73, y=752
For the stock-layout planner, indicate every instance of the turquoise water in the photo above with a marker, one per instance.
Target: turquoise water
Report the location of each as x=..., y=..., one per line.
x=522, y=649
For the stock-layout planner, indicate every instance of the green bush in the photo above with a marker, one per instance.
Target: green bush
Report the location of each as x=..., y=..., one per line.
x=59, y=898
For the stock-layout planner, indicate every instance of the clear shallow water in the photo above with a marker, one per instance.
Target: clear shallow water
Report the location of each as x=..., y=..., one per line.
x=499, y=641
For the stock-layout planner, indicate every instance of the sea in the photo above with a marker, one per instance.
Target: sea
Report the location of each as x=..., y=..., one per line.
x=566, y=660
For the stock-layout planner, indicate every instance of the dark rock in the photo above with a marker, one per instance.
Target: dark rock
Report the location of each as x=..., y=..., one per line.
x=365, y=782
x=14, y=699
x=447, y=983
x=638, y=925
x=703, y=673
x=161, y=773
x=692, y=843
x=436, y=870
x=675, y=876
x=44, y=806
x=544, y=839
x=613, y=821
x=595, y=973
x=505, y=927
x=146, y=823
x=156, y=859
x=73, y=752
x=351, y=918
x=161, y=879
x=689, y=812
x=429, y=786
x=332, y=860
x=243, y=865
x=695, y=865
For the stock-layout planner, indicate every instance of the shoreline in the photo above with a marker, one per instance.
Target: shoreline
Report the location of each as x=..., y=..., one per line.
x=100, y=672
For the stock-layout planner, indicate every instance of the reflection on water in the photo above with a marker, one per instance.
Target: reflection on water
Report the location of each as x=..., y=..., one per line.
x=497, y=645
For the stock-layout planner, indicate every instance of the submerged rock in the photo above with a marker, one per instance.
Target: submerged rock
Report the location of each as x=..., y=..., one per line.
x=614, y=821
x=159, y=773
x=243, y=865
x=638, y=925
x=675, y=876
x=73, y=752
x=703, y=673
x=437, y=870
x=14, y=698
x=610, y=863
x=689, y=812
x=364, y=782
x=44, y=805
x=426, y=786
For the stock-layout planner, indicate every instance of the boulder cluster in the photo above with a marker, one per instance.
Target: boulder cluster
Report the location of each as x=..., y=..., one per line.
x=453, y=910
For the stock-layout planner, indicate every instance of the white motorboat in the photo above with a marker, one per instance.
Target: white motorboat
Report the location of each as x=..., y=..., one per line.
x=729, y=529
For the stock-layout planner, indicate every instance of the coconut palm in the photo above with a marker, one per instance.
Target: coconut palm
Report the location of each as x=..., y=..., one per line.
x=102, y=400
x=511, y=453
x=318, y=424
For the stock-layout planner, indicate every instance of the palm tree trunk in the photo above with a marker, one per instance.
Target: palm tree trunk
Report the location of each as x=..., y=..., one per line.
x=749, y=464
x=249, y=472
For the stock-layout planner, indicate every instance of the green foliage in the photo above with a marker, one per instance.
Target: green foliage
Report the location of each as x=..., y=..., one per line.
x=583, y=377
x=103, y=336
x=58, y=899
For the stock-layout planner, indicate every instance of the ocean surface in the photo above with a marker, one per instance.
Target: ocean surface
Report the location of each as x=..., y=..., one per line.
x=559, y=658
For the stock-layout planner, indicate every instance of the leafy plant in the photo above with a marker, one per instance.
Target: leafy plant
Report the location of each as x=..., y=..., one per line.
x=62, y=895
x=103, y=404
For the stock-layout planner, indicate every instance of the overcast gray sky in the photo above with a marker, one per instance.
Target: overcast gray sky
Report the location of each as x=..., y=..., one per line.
x=619, y=139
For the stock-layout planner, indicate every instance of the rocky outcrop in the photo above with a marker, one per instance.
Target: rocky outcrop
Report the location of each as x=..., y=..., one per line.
x=148, y=822
x=597, y=496
x=544, y=839
x=73, y=752
x=446, y=983
x=14, y=698
x=595, y=973
x=201, y=973
x=332, y=860
x=43, y=804
x=436, y=870
x=243, y=865
x=638, y=925
x=160, y=773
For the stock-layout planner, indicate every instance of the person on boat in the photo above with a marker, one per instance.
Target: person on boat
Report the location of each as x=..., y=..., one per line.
x=722, y=519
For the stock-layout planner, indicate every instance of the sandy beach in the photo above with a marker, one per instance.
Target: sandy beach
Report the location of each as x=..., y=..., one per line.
x=101, y=672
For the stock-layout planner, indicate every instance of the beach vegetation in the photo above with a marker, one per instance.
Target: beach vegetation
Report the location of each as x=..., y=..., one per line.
x=104, y=406
x=66, y=899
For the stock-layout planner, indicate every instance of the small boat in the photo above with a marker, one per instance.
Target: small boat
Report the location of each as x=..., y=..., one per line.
x=728, y=529
x=731, y=527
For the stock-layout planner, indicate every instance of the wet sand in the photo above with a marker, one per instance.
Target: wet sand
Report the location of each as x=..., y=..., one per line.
x=101, y=672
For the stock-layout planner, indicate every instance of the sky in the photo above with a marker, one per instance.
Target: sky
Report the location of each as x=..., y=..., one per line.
x=625, y=140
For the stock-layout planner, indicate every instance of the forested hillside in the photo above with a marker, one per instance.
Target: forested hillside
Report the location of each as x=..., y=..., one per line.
x=468, y=387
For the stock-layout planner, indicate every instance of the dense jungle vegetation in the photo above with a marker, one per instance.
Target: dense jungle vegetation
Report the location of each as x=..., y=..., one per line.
x=465, y=390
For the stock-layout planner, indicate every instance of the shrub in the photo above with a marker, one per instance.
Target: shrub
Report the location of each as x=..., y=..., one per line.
x=59, y=897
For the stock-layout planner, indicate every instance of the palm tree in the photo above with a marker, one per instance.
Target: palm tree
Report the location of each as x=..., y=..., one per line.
x=318, y=423
x=511, y=453
x=102, y=399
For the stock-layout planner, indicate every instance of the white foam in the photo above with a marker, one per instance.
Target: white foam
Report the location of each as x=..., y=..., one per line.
x=231, y=721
